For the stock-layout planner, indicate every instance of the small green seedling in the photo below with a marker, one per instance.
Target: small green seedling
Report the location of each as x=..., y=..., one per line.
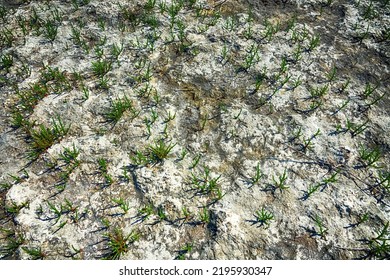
x=369, y=90
x=118, y=108
x=7, y=61
x=146, y=211
x=161, y=213
x=314, y=42
x=15, y=208
x=296, y=83
x=44, y=137
x=69, y=155
x=312, y=189
x=139, y=158
x=159, y=151
x=170, y=117
x=356, y=129
x=35, y=253
x=118, y=243
x=264, y=217
x=124, y=205
x=116, y=51
x=252, y=57
x=370, y=156
x=384, y=180
x=280, y=182
x=362, y=219
x=12, y=242
x=204, y=215
x=379, y=247
x=101, y=68
x=258, y=175
x=331, y=75
x=308, y=142
x=321, y=228
x=195, y=161
x=184, y=250
x=51, y=30
x=108, y=180
x=186, y=213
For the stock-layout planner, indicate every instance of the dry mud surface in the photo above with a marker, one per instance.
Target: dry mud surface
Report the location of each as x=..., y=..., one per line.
x=194, y=129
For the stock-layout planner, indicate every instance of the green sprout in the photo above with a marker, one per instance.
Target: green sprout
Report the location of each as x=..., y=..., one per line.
x=44, y=137
x=124, y=205
x=12, y=242
x=321, y=228
x=184, y=250
x=118, y=243
x=7, y=61
x=314, y=42
x=69, y=155
x=280, y=182
x=331, y=75
x=252, y=57
x=370, y=156
x=379, y=246
x=35, y=253
x=159, y=151
x=264, y=217
x=51, y=30
x=204, y=215
x=195, y=161
x=146, y=211
x=118, y=108
x=258, y=175
x=101, y=68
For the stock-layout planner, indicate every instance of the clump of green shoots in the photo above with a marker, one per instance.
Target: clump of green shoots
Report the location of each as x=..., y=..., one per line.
x=35, y=253
x=379, y=246
x=51, y=30
x=206, y=184
x=204, y=215
x=101, y=68
x=356, y=129
x=308, y=142
x=384, y=180
x=258, y=175
x=118, y=108
x=15, y=208
x=251, y=57
x=7, y=60
x=280, y=181
x=264, y=217
x=146, y=211
x=12, y=241
x=321, y=229
x=324, y=183
x=124, y=205
x=370, y=156
x=44, y=137
x=159, y=151
x=118, y=243
x=184, y=250
x=103, y=168
x=116, y=51
x=319, y=92
x=161, y=213
x=69, y=155
x=195, y=161
x=314, y=42
x=331, y=75
x=139, y=158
